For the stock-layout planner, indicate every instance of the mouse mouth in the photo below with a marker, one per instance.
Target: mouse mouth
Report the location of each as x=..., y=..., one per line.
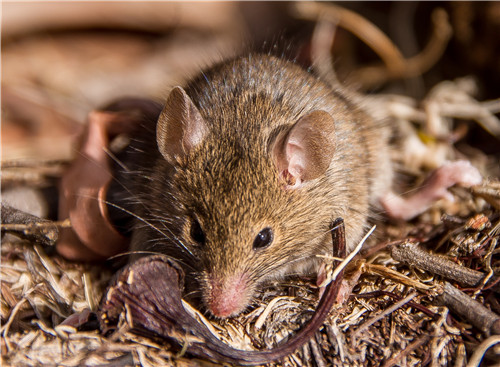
x=226, y=297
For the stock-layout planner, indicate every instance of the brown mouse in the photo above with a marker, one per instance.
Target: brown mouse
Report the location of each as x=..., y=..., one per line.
x=254, y=159
x=244, y=170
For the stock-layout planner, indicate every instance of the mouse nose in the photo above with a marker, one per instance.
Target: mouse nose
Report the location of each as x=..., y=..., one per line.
x=226, y=297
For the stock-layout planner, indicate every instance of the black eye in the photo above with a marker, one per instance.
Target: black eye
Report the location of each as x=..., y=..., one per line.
x=263, y=239
x=197, y=233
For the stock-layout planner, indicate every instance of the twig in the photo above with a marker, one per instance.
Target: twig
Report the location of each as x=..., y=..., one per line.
x=267, y=311
x=384, y=313
x=460, y=356
x=386, y=272
x=332, y=276
x=493, y=106
x=48, y=166
x=29, y=226
x=481, y=349
x=489, y=191
x=5, y=329
x=473, y=111
x=414, y=66
x=336, y=337
x=306, y=353
x=487, y=262
x=379, y=293
x=396, y=360
x=36, y=173
x=411, y=254
x=478, y=315
x=316, y=352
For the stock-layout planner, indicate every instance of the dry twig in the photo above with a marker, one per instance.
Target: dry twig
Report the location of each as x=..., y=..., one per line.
x=378, y=317
x=482, y=318
x=29, y=226
x=411, y=254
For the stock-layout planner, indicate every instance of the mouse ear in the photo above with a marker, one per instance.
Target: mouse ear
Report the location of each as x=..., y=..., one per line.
x=180, y=126
x=305, y=152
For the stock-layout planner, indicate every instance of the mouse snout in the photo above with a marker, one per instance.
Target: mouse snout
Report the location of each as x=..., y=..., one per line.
x=225, y=297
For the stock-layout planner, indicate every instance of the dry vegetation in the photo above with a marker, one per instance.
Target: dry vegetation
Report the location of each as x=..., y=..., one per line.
x=61, y=61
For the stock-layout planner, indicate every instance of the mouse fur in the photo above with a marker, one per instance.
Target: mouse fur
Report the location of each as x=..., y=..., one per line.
x=224, y=164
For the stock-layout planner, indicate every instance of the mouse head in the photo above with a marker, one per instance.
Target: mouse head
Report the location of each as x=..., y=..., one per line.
x=249, y=206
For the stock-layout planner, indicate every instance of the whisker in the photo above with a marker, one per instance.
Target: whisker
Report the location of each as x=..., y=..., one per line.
x=196, y=292
x=142, y=252
x=144, y=221
x=325, y=232
x=115, y=159
x=127, y=253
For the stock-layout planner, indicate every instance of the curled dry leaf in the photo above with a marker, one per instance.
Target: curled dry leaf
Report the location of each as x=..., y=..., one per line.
x=150, y=291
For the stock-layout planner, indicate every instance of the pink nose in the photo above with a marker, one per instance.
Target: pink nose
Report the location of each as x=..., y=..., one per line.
x=226, y=297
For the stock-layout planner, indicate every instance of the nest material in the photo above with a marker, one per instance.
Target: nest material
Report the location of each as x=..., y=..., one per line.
x=394, y=316
x=401, y=310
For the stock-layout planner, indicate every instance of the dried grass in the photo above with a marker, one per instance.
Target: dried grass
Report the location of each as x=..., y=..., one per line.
x=39, y=291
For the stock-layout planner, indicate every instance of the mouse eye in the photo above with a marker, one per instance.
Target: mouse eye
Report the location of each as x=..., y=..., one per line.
x=263, y=239
x=197, y=233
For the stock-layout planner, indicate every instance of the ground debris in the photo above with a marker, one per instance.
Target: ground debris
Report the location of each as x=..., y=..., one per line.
x=148, y=296
x=435, y=303
x=377, y=325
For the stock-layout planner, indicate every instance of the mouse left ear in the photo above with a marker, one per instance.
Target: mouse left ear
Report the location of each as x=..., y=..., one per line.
x=305, y=152
x=180, y=126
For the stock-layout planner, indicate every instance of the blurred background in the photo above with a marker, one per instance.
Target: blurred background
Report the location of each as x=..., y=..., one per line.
x=60, y=60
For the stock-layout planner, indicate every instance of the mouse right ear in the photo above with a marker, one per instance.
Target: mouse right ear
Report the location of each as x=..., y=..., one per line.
x=306, y=150
x=180, y=126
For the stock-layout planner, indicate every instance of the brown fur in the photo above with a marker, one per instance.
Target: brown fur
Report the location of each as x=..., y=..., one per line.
x=231, y=185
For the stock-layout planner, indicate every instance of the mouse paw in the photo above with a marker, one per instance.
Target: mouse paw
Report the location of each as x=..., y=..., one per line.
x=434, y=188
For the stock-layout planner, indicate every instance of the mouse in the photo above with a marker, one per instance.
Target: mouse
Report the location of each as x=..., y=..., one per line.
x=239, y=174
x=244, y=171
